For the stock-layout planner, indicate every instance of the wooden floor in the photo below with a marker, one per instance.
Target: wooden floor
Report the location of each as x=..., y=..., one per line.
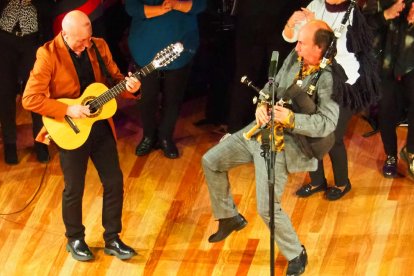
x=167, y=216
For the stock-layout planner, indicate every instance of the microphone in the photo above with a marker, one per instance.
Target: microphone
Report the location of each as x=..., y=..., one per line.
x=245, y=80
x=273, y=65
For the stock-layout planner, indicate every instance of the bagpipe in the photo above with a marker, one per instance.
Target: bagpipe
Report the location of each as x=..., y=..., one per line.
x=299, y=100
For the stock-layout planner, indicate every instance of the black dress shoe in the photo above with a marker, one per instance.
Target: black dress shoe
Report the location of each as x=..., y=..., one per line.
x=119, y=249
x=42, y=153
x=309, y=189
x=334, y=193
x=297, y=265
x=146, y=145
x=169, y=148
x=10, y=154
x=226, y=226
x=79, y=250
x=409, y=159
x=389, y=170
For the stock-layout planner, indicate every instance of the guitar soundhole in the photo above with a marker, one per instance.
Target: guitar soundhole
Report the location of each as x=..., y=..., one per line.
x=95, y=110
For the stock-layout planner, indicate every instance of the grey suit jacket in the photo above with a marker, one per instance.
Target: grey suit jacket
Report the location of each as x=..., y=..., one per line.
x=319, y=124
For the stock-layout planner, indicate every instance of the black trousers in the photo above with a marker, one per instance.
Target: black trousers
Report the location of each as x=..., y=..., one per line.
x=101, y=148
x=171, y=85
x=389, y=112
x=337, y=154
x=218, y=54
x=17, y=58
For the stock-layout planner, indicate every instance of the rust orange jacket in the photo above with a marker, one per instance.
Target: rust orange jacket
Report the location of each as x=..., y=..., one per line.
x=54, y=76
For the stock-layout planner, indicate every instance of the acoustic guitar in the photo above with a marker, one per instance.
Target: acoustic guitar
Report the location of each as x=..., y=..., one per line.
x=70, y=133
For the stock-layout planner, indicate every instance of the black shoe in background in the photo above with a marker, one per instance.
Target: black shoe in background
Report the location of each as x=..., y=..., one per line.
x=309, y=189
x=169, y=148
x=10, y=154
x=335, y=193
x=389, y=170
x=226, y=226
x=146, y=145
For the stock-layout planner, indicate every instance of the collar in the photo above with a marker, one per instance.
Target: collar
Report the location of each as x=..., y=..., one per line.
x=337, y=7
x=306, y=70
x=70, y=50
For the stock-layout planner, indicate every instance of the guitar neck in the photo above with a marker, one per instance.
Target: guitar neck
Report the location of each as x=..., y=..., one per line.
x=119, y=88
x=161, y=59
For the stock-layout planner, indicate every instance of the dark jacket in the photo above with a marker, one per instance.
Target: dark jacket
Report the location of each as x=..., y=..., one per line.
x=393, y=38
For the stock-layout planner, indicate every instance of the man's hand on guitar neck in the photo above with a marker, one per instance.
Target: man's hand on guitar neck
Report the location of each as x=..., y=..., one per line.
x=78, y=111
x=132, y=83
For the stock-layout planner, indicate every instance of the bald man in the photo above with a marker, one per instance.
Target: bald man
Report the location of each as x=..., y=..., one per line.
x=64, y=67
x=302, y=64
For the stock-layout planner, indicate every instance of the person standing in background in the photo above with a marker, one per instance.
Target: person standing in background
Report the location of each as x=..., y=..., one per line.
x=155, y=25
x=23, y=28
x=393, y=22
x=358, y=90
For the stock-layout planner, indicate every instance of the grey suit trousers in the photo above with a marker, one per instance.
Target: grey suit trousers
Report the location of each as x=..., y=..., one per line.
x=236, y=150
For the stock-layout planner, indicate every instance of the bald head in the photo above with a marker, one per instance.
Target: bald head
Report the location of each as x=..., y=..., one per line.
x=77, y=31
x=74, y=21
x=315, y=25
x=313, y=40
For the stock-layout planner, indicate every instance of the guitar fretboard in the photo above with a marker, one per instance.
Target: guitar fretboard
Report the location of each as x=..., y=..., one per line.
x=118, y=89
x=162, y=58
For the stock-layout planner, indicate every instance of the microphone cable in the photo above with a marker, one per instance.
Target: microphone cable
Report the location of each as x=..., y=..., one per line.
x=42, y=179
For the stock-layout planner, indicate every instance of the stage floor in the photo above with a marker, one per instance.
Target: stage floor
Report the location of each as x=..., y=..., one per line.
x=167, y=216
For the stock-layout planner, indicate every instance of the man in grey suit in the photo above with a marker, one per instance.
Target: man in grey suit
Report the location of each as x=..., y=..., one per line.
x=302, y=64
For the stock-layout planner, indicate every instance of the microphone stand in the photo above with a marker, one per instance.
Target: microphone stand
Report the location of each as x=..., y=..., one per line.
x=269, y=154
